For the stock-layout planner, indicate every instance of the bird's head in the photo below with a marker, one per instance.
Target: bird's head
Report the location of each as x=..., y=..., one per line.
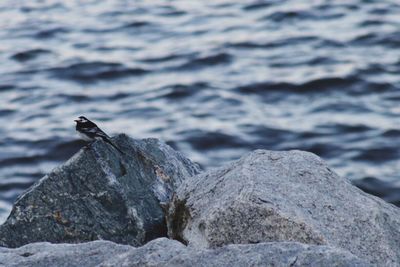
x=81, y=119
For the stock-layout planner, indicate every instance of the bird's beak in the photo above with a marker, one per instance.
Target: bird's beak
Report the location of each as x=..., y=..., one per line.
x=75, y=120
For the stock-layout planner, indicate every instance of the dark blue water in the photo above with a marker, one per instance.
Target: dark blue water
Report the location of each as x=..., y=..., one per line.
x=215, y=79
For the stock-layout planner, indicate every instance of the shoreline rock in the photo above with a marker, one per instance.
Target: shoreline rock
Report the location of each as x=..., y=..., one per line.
x=101, y=194
x=284, y=208
x=269, y=196
x=166, y=252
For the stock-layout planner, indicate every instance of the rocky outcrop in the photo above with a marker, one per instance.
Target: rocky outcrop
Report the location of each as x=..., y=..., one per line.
x=165, y=252
x=101, y=193
x=266, y=209
x=284, y=196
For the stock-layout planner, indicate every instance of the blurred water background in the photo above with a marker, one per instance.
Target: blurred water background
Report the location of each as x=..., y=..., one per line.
x=214, y=79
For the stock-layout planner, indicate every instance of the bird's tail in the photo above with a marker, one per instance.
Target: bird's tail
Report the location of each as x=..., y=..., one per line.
x=111, y=143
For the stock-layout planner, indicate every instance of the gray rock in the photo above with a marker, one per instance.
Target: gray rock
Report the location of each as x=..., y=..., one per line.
x=284, y=196
x=101, y=194
x=165, y=252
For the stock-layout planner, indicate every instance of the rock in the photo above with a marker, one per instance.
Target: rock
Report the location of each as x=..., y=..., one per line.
x=271, y=196
x=101, y=194
x=165, y=252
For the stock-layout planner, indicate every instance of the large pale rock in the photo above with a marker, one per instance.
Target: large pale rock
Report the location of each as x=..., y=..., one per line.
x=165, y=252
x=284, y=196
x=101, y=193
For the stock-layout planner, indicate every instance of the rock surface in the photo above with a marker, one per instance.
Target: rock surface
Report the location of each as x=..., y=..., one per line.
x=165, y=252
x=284, y=196
x=101, y=193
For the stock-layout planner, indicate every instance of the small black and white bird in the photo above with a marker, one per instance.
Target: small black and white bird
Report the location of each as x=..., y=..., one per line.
x=89, y=131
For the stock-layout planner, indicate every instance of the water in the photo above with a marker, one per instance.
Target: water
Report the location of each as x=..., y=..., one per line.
x=214, y=79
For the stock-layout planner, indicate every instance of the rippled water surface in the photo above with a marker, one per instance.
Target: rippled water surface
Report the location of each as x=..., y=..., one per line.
x=213, y=78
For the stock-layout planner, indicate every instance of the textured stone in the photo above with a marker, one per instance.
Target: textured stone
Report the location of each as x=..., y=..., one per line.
x=101, y=193
x=284, y=196
x=165, y=252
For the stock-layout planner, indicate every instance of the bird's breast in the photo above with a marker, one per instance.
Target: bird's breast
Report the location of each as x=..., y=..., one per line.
x=84, y=136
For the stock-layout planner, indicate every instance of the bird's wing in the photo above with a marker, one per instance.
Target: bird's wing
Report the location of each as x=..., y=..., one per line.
x=95, y=132
x=100, y=133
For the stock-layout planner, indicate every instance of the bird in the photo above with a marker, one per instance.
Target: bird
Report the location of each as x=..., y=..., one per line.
x=90, y=132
